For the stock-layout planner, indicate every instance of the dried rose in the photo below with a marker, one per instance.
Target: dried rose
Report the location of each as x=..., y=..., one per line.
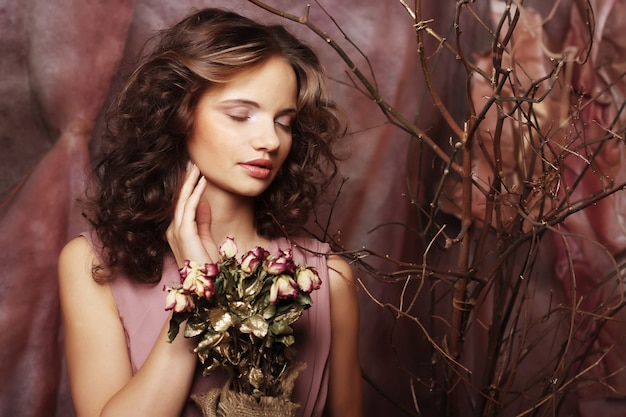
x=282, y=288
x=228, y=249
x=251, y=261
x=204, y=287
x=308, y=279
x=212, y=270
x=177, y=300
x=280, y=263
x=196, y=280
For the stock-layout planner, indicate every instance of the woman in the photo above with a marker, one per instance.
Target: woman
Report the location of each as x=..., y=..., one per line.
x=223, y=131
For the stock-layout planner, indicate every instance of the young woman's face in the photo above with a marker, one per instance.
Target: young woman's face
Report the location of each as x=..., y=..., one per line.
x=242, y=130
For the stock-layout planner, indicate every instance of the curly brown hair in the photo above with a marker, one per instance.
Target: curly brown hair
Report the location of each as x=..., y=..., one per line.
x=144, y=154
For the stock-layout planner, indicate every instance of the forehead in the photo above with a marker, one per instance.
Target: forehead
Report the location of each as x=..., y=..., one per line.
x=273, y=80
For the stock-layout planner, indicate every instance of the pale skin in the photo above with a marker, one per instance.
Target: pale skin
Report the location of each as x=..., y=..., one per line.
x=250, y=115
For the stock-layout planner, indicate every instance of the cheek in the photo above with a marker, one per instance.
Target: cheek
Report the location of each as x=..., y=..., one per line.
x=192, y=148
x=200, y=141
x=192, y=140
x=286, y=147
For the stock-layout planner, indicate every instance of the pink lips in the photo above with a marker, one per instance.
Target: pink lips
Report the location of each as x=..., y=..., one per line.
x=258, y=168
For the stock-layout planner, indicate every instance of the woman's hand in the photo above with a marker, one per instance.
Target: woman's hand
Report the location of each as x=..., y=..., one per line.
x=189, y=234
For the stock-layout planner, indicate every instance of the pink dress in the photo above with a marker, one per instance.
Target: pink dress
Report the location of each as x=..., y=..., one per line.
x=142, y=312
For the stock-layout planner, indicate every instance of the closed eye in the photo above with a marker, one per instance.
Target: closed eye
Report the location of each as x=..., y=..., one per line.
x=285, y=121
x=239, y=117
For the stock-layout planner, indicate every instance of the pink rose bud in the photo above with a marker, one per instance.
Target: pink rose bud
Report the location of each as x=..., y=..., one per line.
x=251, y=261
x=308, y=279
x=282, y=288
x=228, y=249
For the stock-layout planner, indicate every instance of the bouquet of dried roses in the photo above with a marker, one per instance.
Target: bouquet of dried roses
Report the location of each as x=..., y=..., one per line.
x=241, y=312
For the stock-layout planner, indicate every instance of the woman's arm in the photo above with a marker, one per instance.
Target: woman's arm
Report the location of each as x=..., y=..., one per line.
x=99, y=367
x=344, y=396
x=98, y=364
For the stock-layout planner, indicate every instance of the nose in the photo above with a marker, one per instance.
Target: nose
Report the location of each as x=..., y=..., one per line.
x=268, y=137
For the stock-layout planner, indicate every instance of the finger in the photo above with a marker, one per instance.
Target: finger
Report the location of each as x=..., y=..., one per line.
x=189, y=184
x=187, y=239
x=182, y=233
x=203, y=220
x=191, y=204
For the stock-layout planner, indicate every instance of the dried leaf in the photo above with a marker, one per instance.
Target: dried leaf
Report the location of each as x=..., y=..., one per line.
x=304, y=300
x=256, y=377
x=252, y=287
x=255, y=325
x=241, y=308
x=281, y=328
x=269, y=312
x=286, y=340
x=195, y=328
x=220, y=319
x=208, y=369
x=209, y=341
x=289, y=316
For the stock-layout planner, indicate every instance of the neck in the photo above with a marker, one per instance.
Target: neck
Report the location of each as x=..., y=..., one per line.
x=234, y=218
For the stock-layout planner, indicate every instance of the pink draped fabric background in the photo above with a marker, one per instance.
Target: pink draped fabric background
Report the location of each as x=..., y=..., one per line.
x=62, y=60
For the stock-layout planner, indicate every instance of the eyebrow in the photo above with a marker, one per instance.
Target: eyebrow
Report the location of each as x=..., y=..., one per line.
x=289, y=110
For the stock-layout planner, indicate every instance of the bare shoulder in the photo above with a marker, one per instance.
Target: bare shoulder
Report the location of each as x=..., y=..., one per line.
x=343, y=289
x=77, y=247
x=340, y=274
x=76, y=263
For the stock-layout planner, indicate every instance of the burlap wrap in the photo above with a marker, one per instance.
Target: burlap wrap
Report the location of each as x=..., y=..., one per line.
x=223, y=402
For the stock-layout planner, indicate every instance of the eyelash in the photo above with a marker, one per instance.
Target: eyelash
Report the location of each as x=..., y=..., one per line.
x=285, y=127
x=242, y=119
x=238, y=118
